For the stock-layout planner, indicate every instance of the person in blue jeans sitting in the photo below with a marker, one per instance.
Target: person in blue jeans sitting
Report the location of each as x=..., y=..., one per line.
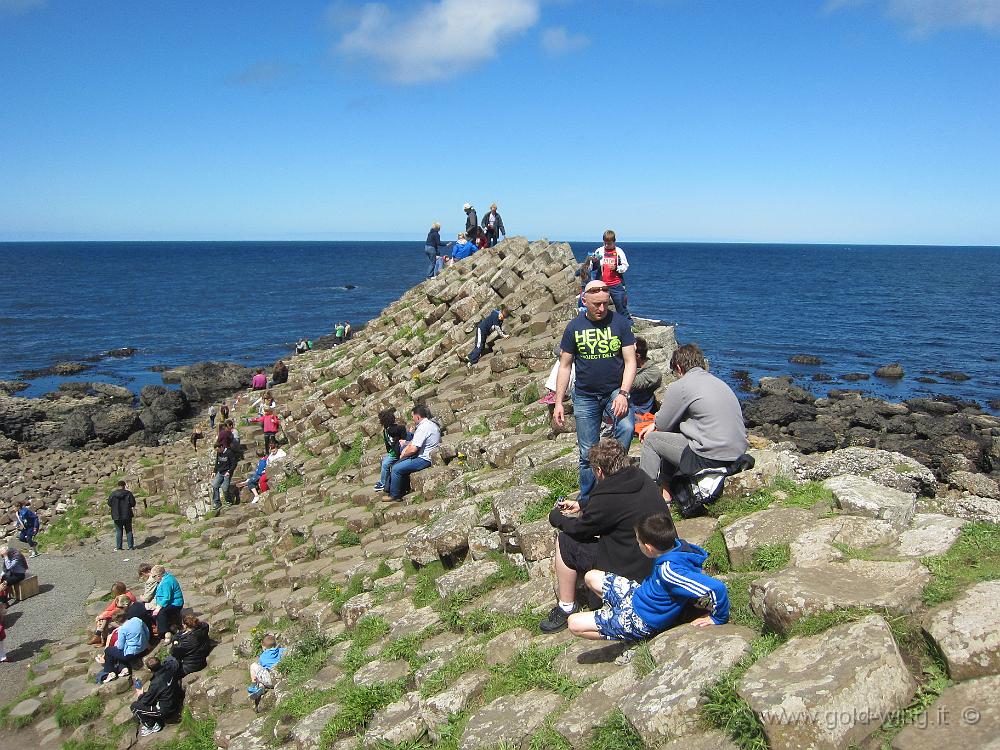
x=133, y=639
x=416, y=454
x=168, y=601
x=601, y=345
x=392, y=434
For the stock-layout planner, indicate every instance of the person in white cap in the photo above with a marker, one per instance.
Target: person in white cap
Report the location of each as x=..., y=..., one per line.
x=471, y=221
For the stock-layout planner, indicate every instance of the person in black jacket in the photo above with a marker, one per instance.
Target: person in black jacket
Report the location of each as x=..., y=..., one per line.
x=471, y=222
x=493, y=225
x=163, y=697
x=121, y=502
x=602, y=535
x=191, y=647
x=433, y=246
x=225, y=462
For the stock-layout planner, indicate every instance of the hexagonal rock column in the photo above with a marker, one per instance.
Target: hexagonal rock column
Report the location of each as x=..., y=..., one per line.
x=830, y=690
x=863, y=497
x=790, y=594
x=965, y=716
x=511, y=720
x=665, y=704
x=770, y=526
x=966, y=632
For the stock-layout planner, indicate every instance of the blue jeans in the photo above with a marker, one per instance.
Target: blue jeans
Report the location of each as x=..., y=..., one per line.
x=400, y=473
x=28, y=537
x=126, y=527
x=219, y=481
x=619, y=295
x=387, y=463
x=589, y=412
x=431, y=254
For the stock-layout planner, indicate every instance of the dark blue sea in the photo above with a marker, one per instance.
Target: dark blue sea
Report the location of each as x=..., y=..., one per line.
x=932, y=309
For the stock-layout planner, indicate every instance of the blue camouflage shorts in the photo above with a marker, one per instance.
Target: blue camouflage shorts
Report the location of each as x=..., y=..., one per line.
x=616, y=620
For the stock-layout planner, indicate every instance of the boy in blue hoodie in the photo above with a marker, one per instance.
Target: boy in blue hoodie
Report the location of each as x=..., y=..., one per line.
x=633, y=611
x=28, y=523
x=262, y=670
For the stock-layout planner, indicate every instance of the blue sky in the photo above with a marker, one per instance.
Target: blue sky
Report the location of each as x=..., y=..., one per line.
x=678, y=120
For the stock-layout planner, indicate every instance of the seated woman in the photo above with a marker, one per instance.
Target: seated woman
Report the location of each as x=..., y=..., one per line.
x=15, y=568
x=122, y=599
x=167, y=602
x=191, y=647
x=392, y=434
x=280, y=373
x=648, y=379
x=132, y=640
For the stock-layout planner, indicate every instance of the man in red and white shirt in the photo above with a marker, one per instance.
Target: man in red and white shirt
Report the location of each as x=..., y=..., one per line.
x=613, y=264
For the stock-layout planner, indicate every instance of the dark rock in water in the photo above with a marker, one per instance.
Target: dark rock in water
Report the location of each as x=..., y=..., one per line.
x=776, y=410
x=805, y=359
x=76, y=431
x=836, y=394
x=995, y=404
x=210, y=381
x=925, y=379
x=125, y=351
x=743, y=382
x=812, y=437
x=958, y=377
x=76, y=388
x=930, y=406
x=173, y=375
x=158, y=368
x=59, y=368
x=821, y=377
x=150, y=393
x=350, y=286
x=162, y=409
x=853, y=377
x=890, y=372
x=783, y=387
x=114, y=423
x=11, y=387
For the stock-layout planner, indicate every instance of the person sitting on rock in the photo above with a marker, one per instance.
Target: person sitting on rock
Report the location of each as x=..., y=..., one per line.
x=699, y=425
x=264, y=403
x=279, y=375
x=463, y=248
x=133, y=639
x=634, y=611
x=168, y=602
x=259, y=381
x=601, y=534
x=253, y=481
x=416, y=455
x=492, y=323
x=392, y=434
x=102, y=623
x=648, y=379
x=28, y=525
x=162, y=698
x=15, y=568
x=262, y=670
x=148, y=584
x=192, y=645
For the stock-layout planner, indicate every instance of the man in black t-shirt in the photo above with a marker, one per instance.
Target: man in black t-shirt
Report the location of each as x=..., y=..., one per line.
x=601, y=346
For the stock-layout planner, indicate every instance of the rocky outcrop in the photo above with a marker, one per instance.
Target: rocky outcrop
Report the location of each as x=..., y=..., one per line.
x=210, y=381
x=965, y=632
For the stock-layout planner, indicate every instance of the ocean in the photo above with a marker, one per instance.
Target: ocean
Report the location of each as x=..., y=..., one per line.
x=750, y=307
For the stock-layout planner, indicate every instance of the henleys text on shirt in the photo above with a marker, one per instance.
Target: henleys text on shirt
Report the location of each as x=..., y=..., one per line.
x=597, y=343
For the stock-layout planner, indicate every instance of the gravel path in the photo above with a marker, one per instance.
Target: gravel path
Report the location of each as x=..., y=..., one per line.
x=69, y=579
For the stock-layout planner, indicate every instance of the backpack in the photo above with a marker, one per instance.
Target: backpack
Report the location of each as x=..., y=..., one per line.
x=690, y=494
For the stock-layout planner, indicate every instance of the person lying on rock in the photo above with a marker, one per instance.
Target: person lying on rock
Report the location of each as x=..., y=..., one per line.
x=191, y=647
x=262, y=670
x=699, y=426
x=602, y=534
x=102, y=623
x=163, y=697
x=633, y=611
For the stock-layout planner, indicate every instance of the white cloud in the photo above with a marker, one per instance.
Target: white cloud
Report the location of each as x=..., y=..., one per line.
x=927, y=16
x=558, y=41
x=17, y=7
x=439, y=39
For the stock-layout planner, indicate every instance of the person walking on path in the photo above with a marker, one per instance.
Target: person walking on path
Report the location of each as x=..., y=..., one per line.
x=211, y=416
x=28, y=525
x=492, y=323
x=471, y=221
x=613, y=264
x=225, y=462
x=433, y=246
x=601, y=346
x=122, y=502
x=493, y=225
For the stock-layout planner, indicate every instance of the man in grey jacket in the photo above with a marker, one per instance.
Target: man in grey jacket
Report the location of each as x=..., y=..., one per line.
x=699, y=425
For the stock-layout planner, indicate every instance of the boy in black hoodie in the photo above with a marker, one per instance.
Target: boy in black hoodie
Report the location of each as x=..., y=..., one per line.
x=191, y=647
x=163, y=697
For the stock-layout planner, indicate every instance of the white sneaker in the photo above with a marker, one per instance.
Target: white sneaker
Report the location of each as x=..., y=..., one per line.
x=145, y=731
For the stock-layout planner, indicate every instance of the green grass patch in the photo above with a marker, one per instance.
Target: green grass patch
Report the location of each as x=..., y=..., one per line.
x=195, y=734
x=806, y=495
x=530, y=394
x=84, y=494
x=299, y=703
x=159, y=508
x=451, y=670
x=973, y=558
x=68, y=527
x=718, y=554
x=90, y=743
x=368, y=630
x=616, y=733
x=771, y=557
x=338, y=594
x=559, y=482
x=31, y=691
x=357, y=706
x=348, y=538
x=347, y=459
x=80, y=712
x=424, y=591
x=310, y=653
x=528, y=669
x=642, y=660
x=547, y=738
x=290, y=480
x=479, y=428
x=516, y=417
x=738, y=585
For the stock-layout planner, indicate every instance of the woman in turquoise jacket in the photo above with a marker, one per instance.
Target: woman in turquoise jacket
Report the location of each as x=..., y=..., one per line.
x=168, y=601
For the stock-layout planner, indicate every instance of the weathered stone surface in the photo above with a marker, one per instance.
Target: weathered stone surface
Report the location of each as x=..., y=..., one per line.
x=966, y=715
x=356, y=608
x=714, y=740
x=977, y=484
x=696, y=530
x=873, y=463
x=511, y=719
x=788, y=595
x=509, y=505
x=381, y=671
x=665, y=704
x=592, y=706
x=966, y=632
x=396, y=723
x=466, y=578
x=308, y=732
x=436, y=709
x=815, y=545
x=831, y=690
x=25, y=709
x=586, y=661
x=929, y=534
x=536, y=540
x=863, y=497
x=446, y=537
x=770, y=526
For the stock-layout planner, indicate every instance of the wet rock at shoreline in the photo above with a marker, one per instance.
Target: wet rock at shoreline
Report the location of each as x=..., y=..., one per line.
x=125, y=351
x=59, y=368
x=853, y=377
x=805, y=359
x=890, y=372
x=10, y=387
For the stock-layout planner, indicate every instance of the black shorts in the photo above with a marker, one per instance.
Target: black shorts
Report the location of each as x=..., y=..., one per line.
x=579, y=556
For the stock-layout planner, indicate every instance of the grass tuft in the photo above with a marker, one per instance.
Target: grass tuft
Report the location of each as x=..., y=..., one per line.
x=974, y=557
x=616, y=733
x=559, y=482
x=527, y=669
x=80, y=712
x=347, y=459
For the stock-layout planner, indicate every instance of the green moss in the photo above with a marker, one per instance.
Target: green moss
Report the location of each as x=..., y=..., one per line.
x=347, y=459
x=771, y=557
x=424, y=590
x=290, y=480
x=559, y=482
x=530, y=394
x=75, y=714
x=740, y=613
x=616, y=733
x=718, y=554
x=973, y=558
x=155, y=510
x=806, y=495
x=480, y=428
x=348, y=538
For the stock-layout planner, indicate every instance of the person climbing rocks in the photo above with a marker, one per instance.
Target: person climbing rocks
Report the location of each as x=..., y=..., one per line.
x=492, y=323
x=28, y=526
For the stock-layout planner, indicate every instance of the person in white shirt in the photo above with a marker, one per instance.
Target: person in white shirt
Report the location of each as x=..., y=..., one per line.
x=416, y=454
